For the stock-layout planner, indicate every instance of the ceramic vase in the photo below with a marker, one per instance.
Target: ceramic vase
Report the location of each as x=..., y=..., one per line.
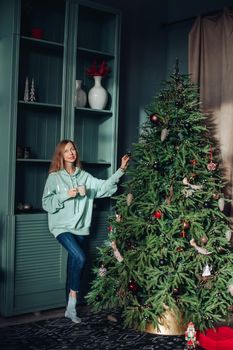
x=80, y=95
x=97, y=95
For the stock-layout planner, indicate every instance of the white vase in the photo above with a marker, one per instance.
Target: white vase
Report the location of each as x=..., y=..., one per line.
x=97, y=95
x=80, y=95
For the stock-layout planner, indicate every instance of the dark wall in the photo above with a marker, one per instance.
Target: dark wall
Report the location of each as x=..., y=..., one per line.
x=149, y=50
x=143, y=53
x=177, y=32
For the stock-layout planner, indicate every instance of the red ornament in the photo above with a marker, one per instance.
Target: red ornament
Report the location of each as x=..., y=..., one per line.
x=186, y=225
x=132, y=286
x=154, y=119
x=183, y=234
x=157, y=214
x=110, y=228
x=194, y=162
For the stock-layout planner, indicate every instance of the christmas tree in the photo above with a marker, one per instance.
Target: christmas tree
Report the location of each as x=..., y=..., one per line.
x=169, y=239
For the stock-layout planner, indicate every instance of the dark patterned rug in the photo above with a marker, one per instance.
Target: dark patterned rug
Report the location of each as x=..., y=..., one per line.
x=95, y=332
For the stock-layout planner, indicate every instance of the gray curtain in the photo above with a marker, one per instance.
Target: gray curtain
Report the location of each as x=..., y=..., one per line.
x=211, y=67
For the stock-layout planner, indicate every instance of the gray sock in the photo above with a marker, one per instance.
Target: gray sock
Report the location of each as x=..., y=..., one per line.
x=71, y=310
x=71, y=303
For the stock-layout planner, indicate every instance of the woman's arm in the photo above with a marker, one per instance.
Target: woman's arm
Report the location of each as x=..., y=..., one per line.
x=106, y=188
x=52, y=201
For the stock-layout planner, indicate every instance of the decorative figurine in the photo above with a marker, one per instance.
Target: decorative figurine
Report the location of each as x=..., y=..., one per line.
x=190, y=337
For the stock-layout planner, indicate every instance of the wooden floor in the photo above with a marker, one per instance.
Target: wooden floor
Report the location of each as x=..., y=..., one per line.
x=32, y=317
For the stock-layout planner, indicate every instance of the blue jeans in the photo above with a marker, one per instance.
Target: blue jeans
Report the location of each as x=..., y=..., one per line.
x=75, y=246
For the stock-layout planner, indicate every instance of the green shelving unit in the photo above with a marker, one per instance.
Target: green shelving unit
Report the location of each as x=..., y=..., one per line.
x=50, y=43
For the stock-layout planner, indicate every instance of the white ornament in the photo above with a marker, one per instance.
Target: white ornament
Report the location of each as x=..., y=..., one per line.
x=228, y=235
x=185, y=181
x=164, y=134
x=230, y=289
x=207, y=271
x=200, y=250
x=129, y=199
x=194, y=187
x=221, y=204
x=118, y=218
x=116, y=252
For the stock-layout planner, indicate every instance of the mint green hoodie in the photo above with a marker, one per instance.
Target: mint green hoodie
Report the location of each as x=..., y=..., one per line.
x=73, y=214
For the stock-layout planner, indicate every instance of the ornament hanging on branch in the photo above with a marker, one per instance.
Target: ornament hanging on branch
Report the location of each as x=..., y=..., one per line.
x=228, y=235
x=216, y=196
x=186, y=225
x=129, y=199
x=154, y=119
x=200, y=250
x=207, y=271
x=157, y=214
x=118, y=218
x=211, y=166
x=132, y=287
x=102, y=271
x=221, y=204
x=193, y=187
x=116, y=252
x=230, y=289
x=204, y=239
x=164, y=134
x=183, y=234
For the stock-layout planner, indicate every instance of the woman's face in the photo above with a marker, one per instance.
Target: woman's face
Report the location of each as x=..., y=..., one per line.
x=69, y=154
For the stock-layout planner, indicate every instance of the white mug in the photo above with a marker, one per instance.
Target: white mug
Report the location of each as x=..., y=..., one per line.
x=82, y=190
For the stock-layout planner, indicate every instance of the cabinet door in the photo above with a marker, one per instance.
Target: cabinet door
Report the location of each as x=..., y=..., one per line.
x=40, y=269
x=40, y=97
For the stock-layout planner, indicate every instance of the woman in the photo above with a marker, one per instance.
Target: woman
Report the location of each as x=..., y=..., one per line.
x=68, y=198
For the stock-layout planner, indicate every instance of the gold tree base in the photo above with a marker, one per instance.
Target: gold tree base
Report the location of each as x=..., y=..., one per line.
x=171, y=324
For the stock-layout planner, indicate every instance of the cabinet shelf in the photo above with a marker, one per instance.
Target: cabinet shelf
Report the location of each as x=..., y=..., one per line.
x=33, y=160
x=94, y=111
x=41, y=42
x=98, y=163
x=29, y=211
x=95, y=52
x=39, y=104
